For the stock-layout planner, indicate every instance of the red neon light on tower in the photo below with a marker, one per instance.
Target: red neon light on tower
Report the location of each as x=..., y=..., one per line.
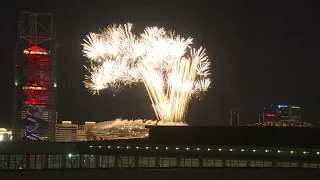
x=38, y=76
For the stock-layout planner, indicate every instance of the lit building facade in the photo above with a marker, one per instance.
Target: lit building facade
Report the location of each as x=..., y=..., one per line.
x=83, y=129
x=5, y=134
x=282, y=112
x=66, y=132
x=69, y=132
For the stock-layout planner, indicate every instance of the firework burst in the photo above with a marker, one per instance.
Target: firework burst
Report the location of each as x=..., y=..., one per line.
x=170, y=68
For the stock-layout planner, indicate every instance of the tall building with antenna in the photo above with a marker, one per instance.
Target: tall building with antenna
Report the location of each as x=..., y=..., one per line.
x=35, y=82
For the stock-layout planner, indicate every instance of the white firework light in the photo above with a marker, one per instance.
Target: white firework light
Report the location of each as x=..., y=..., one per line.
x=173, y=72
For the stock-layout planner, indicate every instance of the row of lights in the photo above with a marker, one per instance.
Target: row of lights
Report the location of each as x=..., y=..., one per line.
x=209, y=149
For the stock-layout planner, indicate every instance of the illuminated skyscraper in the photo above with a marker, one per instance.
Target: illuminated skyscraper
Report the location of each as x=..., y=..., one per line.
x=35, y=84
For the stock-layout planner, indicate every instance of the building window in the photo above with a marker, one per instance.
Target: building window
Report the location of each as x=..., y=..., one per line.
x=2, y=161
x=32, y=161
x=294, y=164
x=89, y=161
x=287, y=164
x=72, y=161
x=147, y=162
x=55, y=161
x=256, y=164
x=16, y=162
x=127, y=161
x=107, y=162
x=188, y=162
x=311, y=165
x=212, y=163
x=235, y=163
x=39, y=161
x=242, y=163
x=168, y=162
x=267, y=164
x=283, y=164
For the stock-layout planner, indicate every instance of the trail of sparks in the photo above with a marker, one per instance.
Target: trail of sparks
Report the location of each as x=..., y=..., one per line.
x=171, y=70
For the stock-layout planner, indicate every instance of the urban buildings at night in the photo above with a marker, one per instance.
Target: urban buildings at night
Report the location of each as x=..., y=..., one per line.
x=69, y=132
x=281, y=115
x=5, y=134
x=66, y=132
x=83, y=129
x=281, y=112
x=38, y=141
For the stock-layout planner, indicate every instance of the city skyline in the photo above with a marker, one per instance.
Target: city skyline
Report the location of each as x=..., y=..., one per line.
x=260, y=55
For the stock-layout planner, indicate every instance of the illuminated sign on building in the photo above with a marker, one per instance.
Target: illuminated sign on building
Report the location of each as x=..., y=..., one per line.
x=281, y=112
x=283, y=106
x=271, y=115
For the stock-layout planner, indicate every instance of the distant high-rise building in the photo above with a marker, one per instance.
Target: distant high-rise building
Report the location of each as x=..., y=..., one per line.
x=81, y=133
x=282, y=112
x=66, y=132
x=82, y=130
x=69, y=132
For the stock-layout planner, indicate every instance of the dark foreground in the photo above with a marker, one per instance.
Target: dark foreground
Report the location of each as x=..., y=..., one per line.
x=166, y=174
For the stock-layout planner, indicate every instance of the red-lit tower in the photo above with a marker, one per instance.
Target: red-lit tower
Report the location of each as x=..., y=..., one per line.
x=35, y=114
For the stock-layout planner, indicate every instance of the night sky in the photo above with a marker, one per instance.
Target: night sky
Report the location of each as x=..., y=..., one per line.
x=262, y=52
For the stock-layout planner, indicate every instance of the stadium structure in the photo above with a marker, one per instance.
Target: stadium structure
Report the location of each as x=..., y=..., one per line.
x=35, y=79
x=119, y=129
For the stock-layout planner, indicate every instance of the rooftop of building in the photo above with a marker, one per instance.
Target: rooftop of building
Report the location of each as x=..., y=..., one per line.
x=270, y=136
x=282, y=123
